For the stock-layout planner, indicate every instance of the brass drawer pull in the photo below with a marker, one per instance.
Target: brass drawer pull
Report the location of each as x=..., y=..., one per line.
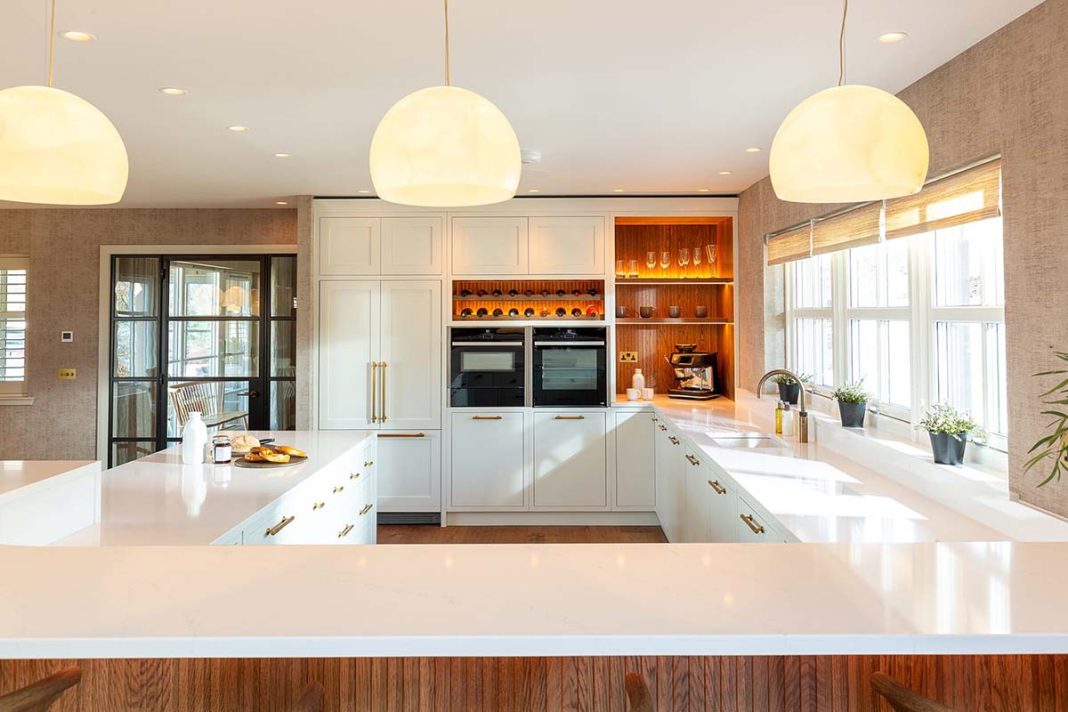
x=345, y=532
x=693, y=460
x=570, y=417
x=674, y=440
x=354, y=476
x=751, y=523
x=366, y=508
x=339, y=488
x=368, y=463
x=720, y=489
x=286, y=521
x=662, y=427
x=487, y=417
x=318, y=505
x=402, y=435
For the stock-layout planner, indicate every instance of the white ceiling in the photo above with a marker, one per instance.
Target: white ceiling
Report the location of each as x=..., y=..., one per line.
x=650, y=97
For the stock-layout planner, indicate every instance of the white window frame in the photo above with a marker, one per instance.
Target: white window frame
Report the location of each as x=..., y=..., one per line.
x=793, y=312
x=16, y=390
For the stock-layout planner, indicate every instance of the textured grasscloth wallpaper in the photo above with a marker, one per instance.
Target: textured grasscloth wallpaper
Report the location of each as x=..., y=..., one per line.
x=1008, y=95
x=64, y=250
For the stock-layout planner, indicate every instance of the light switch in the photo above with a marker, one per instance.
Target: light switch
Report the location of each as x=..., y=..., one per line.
x=68, y=374
x=66, y=337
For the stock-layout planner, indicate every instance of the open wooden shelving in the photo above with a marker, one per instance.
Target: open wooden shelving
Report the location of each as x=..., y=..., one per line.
x=670, y=322
x=589, y=301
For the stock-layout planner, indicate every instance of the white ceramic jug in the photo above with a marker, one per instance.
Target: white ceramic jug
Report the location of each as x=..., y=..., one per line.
x=194, y=439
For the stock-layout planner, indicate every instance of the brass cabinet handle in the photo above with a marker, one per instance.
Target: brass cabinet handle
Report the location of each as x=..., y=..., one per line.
x=354, y=476
x=374, y=392
x=368, y=463
x=318, y=505
x=662, y=427
x=720, y=489
x=383, y=367
x=401, y=435
x=693, y=460
x=751, y=523
x=345, y=532
x=286, y=521
x=339, y=488
x=570, y=417
x=366, y=508
x=674, y=440
x=487, y=417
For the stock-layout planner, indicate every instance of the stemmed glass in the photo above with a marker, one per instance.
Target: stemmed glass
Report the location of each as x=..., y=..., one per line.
x=697, y=259
x=665, y=259
x=684, y=258
x=650, y=260
x=710, y=250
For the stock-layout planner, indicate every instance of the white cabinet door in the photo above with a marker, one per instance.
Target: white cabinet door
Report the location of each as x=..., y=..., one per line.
x=567, y=245
x=349, y=246
x=412, y=245
x=348, y=346
x=722, y=509
x=409, y=377
x=408, y=472
x=570, y=468
x=696, y=523
x=670, y=485
x=489, y=245
x=635, y=461
x=487, y=460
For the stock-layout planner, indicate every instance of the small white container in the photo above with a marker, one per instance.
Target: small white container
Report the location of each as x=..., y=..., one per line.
x=647, y=393
x=633, y=394
x=637, y=381
x=194, y=439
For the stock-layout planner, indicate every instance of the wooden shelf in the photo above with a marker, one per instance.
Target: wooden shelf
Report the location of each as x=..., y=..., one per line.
x=620, y=282
x=680, y=321
x=533, y=298
x=505, y=317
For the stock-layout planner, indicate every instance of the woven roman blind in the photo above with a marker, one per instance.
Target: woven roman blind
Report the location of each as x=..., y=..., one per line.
x=968, y=196
x=795, y=244
x=859, y=226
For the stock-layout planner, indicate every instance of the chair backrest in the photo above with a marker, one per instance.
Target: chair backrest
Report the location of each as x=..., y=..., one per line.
x=201, y=396
x=39, y=696
x=903, y=699
x=311, y=700
x=638, y=693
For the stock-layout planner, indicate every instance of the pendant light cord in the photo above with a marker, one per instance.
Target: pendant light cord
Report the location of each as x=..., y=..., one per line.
x=448, y=77
x=841, y=43
x=52, y=44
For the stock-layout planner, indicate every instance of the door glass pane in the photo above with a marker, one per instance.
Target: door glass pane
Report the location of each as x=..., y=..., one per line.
x=12, y=350
x=284, y=286
x=283, y=405
x=121, y=453
x=133, y=410
x=213, y=348
x=137, y=286
x=214, y=288
x=283, y=348
x=222, y=404
x=135, y=349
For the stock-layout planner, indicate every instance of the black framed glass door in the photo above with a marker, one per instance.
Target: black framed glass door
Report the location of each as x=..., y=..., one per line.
x=213, y=334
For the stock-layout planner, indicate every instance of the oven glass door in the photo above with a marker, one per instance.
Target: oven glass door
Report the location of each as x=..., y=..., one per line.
x=569, y=376
x=486, y=375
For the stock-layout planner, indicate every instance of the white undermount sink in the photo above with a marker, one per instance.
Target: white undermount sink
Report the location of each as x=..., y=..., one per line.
x=749, y=442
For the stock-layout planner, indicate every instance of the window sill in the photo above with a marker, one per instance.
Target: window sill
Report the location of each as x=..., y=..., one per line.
x=16, y=400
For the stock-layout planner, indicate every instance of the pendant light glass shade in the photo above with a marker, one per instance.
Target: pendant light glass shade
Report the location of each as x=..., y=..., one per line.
x=445, y=147
x=58, y=149
x=849, y=144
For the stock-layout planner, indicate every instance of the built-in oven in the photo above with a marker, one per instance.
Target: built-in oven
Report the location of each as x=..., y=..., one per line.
x=487, y=367
x=570, y=367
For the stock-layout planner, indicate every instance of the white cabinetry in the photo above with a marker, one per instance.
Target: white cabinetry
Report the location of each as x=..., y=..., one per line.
x=670, y=483
x=489, y=245
x=412, y=245
x=488, y=462
x=349, y=346
x=352, y=246
x=409, y=471
x=570, y=464
x=722, y=509
x=567, y=245
x=410, y=369
x=635, y=461
x=696, y=521
x=752, y=526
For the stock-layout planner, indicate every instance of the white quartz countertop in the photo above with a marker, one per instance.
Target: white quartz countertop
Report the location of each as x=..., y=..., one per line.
x=17, y=475
x=157, y=500
x=849, y=486
x=499, y=600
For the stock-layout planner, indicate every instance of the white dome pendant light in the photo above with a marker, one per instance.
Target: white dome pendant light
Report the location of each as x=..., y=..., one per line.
x=445, y=147
x=57, y=148
x=848, y=144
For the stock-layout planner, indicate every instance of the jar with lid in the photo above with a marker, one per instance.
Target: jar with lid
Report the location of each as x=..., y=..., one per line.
x=221, y=450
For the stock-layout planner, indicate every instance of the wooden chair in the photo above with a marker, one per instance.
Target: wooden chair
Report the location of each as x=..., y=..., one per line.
x=638, y=693
x=39, y=696
x=901, y=698
x=206, y=397
x=311, y=700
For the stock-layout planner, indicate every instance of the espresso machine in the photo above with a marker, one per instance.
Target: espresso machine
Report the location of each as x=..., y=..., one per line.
x=694, y=373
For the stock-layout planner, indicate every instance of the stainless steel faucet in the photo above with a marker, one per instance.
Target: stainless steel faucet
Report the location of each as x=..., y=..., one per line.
x=802, y=414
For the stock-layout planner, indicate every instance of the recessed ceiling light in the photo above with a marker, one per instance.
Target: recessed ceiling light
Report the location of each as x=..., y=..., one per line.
x=532, y=190
x=363, y=192
x=173, y=91
x=618, y=190
x=75, y=36
x=891, y=37
x=753, y=149
x=281, y=155
x=703, y=190
x=237, y=129
x=725, y=173
x=280, y=202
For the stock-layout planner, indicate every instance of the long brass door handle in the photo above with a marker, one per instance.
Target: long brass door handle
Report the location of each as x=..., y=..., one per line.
x=487, y=417
x=402, y=435
x=286, y=521
x=382, y=365
x=570, y=417
x=345, y=532
x=366, y=508
x=720, y=489
x=674, y=440
x=751, y=523
x=374, y=392
x=693, y=460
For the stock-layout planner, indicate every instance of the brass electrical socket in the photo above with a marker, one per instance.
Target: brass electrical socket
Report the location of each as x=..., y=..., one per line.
x=68, y=374
x=628, y=357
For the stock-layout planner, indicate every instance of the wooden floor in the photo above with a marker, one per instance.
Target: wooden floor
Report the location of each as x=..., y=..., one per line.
x=434, y=534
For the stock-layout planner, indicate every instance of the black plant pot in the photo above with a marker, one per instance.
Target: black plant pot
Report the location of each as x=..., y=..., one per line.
x=788, y=392
x=852, y=414
x=948, y=450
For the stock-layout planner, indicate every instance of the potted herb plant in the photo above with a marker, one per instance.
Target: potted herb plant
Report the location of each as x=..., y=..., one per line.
x=852, y=403
x=949, y=429
x=1053, y=446
x=789, y=388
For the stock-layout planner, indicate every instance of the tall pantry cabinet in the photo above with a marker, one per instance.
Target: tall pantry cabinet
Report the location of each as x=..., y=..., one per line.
x=380, y=346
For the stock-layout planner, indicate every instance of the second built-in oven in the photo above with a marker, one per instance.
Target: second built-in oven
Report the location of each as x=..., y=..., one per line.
x=570, y=367
x=487, y=368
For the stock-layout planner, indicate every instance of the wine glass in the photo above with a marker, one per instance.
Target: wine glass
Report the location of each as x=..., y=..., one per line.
x=632, y=268
x=710, y=250
x=620, y=269
x=665, y=259
x=650, y=259
x=684, y=258
x=697, y=259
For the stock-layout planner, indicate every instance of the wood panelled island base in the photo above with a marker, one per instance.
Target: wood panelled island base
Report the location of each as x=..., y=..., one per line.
x=988, y=683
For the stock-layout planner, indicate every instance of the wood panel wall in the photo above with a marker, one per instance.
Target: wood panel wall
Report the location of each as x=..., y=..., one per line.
x=1031, y=683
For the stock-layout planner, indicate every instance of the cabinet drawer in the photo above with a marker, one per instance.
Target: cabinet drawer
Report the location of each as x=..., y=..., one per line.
x=753, y=527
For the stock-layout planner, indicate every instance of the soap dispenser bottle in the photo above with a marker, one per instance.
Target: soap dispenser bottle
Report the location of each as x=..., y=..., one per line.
x=638, y=379
x=778, y=417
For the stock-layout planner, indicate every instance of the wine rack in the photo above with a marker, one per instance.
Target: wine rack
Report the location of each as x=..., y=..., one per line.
x=528, y=300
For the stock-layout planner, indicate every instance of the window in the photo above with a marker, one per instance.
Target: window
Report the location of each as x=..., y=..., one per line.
x=13, y=325
x=918, y=316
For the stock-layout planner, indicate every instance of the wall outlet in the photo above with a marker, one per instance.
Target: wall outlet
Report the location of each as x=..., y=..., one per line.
x=68, y=374
x=628, y=357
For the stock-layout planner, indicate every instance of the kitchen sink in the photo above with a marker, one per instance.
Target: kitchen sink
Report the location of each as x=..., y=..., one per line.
x=750, y=442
